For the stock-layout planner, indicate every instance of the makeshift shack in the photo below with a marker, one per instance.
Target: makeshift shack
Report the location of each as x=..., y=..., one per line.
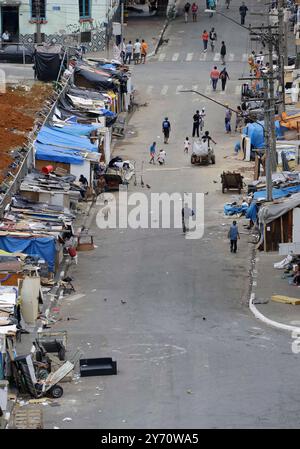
x=47, y=62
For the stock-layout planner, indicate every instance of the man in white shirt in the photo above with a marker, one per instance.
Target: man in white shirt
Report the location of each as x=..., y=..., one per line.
x=6, y=36
x=161, y=157
x=137, y=51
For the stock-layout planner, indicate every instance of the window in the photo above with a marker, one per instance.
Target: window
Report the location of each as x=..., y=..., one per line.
x=38, y=9
x=84, y=9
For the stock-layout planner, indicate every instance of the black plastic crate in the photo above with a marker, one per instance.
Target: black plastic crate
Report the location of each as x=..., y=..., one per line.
x=97, y=367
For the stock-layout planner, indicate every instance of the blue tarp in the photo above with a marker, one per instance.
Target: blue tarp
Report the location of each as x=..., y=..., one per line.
x=56, y=138
x=43, y=247
x=57, y=154
x=234, y=209
x=277, y=193
x=256, y=133
x=75, y=130
x=251, y=212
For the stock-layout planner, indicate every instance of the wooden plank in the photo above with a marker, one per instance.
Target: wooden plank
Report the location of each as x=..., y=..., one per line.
x=285, y=299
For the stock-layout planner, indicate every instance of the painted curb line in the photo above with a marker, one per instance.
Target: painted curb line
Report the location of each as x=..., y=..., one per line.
x=266, y=320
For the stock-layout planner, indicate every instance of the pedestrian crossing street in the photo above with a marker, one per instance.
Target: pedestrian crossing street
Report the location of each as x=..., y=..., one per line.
x=167, y=90
x=199, y=56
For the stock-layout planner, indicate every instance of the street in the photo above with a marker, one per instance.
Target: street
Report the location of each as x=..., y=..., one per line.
x=190, y=354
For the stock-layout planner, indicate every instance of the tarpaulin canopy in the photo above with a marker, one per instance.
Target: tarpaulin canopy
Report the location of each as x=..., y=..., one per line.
x=77, y=129
x=256, y=133
x=86, y=76
x=277, y=193
x=53, y=136
x=43, y=247
x=47, y=66
x=270, y=212
x=57, y=154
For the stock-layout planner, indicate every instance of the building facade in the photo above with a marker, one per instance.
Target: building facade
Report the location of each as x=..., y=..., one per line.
x=66, y=22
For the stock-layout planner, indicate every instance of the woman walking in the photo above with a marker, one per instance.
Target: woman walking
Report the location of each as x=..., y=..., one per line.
x=224, y=77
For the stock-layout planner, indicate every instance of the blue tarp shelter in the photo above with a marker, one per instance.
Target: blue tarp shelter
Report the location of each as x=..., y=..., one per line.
x=43, y=247
x=277, y=193
x=50, y=136
x=256, y=133
x=57, y=154
x=75, y=129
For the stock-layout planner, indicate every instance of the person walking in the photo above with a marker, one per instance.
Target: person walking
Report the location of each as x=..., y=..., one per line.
x=214, y=76
x=205, y=37
x=152, y=153
x=233, y=235
x=196, y=123
x=227, y=3
x=223, y=52
x=186, y=213
x=128, y=52
x=186, y=10
x=202, y=115
x=187, y=145
x=144, y=51
x=212, y=38
x=211, y=5
x=123, y=50
x=228, y=115
x=243, y=11
x=239, y=119
x=224, y=77
x=166, y=128
x=137, y=51
x=194, y=12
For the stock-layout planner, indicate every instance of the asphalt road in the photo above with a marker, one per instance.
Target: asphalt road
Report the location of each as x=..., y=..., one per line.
x=189, y=352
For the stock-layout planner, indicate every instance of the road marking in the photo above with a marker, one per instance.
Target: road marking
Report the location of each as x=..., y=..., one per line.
x=167, y=169
x=175, y=56
x=189, y=56
x=217, y=57
x=245, y=57
x=208, y=89
x=195, y=88
x=178, y=88
x=231, y=57
x=149, y=90
x=162, y=56
x=75, y=297
x=203, y=56
x=164, y=90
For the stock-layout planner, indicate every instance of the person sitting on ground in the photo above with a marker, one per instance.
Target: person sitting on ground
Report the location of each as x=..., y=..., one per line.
x=296, y=279
x=161, y=159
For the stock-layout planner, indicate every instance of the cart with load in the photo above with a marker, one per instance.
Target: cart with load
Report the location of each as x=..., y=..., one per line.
x=202, y=154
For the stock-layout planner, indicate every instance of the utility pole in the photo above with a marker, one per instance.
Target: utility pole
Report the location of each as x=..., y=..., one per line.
x=271, y=108
x=38, y=22
x=122, y=21
x=267, y=138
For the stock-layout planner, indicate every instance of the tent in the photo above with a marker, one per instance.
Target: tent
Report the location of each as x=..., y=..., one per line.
x=255, y=132
x=54, y=136
x=58, y=154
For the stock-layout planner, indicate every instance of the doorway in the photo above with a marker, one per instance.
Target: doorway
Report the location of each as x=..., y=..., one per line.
x=10, y=21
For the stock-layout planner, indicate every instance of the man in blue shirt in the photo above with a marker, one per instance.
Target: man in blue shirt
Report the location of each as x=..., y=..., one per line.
x=233, y=235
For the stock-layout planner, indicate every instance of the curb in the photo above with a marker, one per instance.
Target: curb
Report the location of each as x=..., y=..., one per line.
x=159, y=42
x=266, y=320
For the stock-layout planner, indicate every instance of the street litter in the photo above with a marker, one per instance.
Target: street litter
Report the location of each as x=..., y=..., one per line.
x=67, y=419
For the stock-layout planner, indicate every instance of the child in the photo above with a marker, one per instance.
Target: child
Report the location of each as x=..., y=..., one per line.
x=187, y=145
x=152, y=153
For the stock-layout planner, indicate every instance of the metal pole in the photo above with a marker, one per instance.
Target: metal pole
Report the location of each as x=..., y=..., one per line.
x=267, y=139
x=272, y=105
x=122, y=22
x=281, y=52
x=38, y=22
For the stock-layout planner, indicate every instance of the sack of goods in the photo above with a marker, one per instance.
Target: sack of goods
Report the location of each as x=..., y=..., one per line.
x=200, y=148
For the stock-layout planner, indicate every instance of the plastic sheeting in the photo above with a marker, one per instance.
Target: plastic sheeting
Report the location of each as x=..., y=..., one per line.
x=76, y=129
x=277, y=193
x=251, y=212
x=85, y=76
x=256, y=133
x=47, y=66
x=43, y=247
x=50, y=136
x=230, y=209
x=271, y=212
x=57, y=154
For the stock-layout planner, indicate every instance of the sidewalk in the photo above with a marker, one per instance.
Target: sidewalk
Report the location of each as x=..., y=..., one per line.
x=267, y=281
x=146, y=27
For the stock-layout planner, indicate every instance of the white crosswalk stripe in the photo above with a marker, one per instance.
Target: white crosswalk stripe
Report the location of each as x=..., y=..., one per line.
x=244, y=57
x=149, y=90
x=178, y=88
x=175, y=57
x=162, y=56
x=231, y=57
x=217, y=57
x=195, y=88
x=164, y=90
x=189, y=56
x=237, y=90
x=203, y=56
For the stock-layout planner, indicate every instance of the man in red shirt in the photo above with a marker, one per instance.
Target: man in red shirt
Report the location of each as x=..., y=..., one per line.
x=194, y=12
x=214, y=76
x=205, y=40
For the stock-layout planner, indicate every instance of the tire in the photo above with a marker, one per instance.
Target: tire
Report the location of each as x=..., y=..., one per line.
x=56, y=392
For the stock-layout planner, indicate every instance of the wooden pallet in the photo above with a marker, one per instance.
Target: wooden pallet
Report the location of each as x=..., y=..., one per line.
x=27, y=418
x=286, y=299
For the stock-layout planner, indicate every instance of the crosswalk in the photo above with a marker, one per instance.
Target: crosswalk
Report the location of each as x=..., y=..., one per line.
x=167, y=90
x=199, y=56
